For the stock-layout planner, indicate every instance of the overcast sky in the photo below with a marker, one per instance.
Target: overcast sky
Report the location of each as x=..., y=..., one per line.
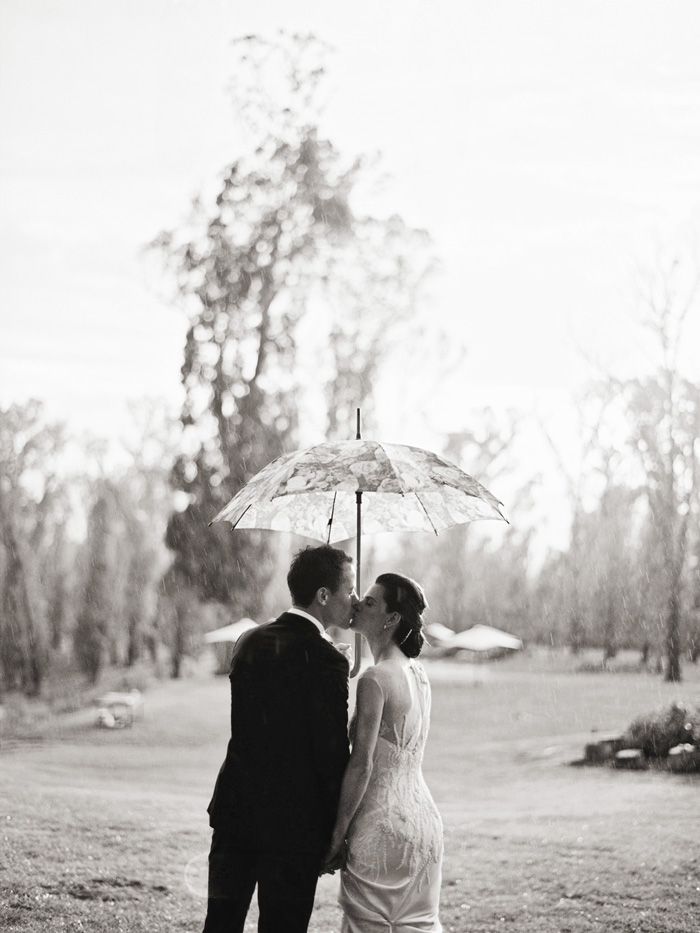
x=546, y=146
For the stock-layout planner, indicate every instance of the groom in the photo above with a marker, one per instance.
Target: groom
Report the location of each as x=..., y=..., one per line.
x=277, y=792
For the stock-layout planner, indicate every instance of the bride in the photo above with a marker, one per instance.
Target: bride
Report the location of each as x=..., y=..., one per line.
x=387, y=837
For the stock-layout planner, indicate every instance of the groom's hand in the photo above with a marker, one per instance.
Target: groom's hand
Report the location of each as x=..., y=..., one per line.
x=333, y=861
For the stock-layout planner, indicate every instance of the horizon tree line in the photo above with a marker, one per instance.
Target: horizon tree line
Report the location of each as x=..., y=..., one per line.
x=294, y=294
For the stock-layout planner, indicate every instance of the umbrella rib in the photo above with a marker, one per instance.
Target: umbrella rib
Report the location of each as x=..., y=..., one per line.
x=241, y=515
x=426, y=513
x=330, y=520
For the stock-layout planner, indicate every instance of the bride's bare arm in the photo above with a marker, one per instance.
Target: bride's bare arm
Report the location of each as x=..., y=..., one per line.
x=369, y=706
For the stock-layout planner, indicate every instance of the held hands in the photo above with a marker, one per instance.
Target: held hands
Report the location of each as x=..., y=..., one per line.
x=345, y=650
x=335, y=858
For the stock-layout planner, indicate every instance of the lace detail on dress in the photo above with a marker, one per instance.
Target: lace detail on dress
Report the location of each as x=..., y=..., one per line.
x=397, y=828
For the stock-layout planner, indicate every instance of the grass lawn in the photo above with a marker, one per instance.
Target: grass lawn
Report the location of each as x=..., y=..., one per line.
x=106, y=830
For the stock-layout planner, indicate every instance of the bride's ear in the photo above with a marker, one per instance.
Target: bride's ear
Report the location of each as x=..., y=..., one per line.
x=393, y=620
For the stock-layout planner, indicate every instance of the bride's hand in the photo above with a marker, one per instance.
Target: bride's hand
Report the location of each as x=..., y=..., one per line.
x=335, y=859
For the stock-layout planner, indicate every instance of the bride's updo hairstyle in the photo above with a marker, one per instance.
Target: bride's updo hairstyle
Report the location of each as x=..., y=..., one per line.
x=405, y=596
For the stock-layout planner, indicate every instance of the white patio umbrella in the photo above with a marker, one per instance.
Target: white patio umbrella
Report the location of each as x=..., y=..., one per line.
x=439, y=633
x=230, y=632
x=485, y=638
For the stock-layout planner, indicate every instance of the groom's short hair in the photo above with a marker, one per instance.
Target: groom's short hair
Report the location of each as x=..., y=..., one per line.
x=312, y=568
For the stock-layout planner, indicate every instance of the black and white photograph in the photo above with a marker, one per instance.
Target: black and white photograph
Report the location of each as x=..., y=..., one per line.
x=349, y=466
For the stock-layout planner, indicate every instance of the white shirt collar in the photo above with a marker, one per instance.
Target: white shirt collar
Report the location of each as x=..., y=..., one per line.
x=305, y=615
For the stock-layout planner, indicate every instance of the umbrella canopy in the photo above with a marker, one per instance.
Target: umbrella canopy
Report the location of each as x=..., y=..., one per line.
x=314, y=492
x=230, y=632
x=318, y=492
x=484, y=638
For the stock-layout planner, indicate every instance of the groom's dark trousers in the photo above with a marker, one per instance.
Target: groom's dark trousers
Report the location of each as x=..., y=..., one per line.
x=277, y=792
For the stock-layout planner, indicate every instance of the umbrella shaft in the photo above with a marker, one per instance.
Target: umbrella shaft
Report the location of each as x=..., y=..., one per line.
x=358, y=497
x=358, y=568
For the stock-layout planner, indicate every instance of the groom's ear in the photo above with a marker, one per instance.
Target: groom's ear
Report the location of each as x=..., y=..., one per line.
x=322, y=595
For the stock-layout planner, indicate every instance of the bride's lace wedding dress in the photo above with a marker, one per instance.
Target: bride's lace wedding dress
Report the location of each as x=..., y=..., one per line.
x=391, y=883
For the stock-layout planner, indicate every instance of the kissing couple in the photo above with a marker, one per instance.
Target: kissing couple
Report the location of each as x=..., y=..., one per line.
x=293, y=800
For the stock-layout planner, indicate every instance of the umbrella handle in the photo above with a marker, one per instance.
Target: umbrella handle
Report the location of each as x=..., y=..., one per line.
x=357, y=654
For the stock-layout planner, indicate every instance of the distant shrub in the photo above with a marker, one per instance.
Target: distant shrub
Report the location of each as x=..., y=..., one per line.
x=625, y=662
x=591, y=667
x=658, y=732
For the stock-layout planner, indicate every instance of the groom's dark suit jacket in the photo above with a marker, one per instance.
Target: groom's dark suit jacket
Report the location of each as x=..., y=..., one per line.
x=280, y=783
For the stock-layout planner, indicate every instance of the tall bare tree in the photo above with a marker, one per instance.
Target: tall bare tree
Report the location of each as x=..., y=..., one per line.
x=663, y=412
x=451, y=566
x=594, y=460
x=280, y=240
x=31, y=519
x=98, y=614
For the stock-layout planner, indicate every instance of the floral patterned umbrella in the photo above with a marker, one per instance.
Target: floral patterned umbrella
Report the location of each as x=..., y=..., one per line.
x=314, y=492
x=318, y=492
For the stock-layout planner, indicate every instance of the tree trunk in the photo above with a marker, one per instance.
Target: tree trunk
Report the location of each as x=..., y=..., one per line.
x=609, y=646
x=25, y=636
x=576, y=632
x=673, y=640
x=178, y=649
x=133, y=647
